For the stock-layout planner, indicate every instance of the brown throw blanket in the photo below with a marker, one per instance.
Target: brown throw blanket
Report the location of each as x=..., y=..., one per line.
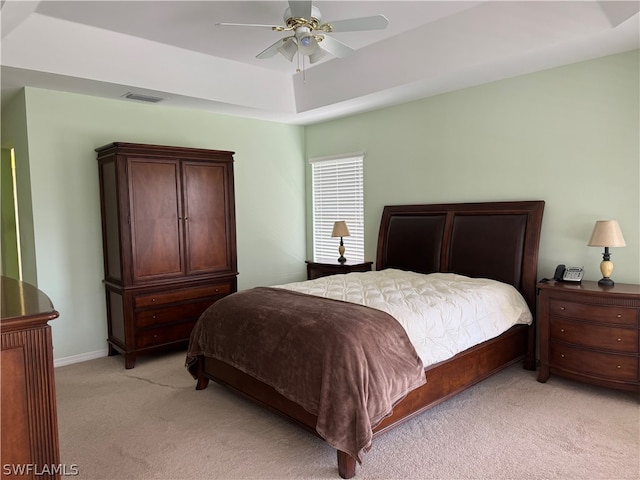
x=345, y=363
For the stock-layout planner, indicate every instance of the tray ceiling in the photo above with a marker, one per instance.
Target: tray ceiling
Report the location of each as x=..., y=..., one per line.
x=173, y=50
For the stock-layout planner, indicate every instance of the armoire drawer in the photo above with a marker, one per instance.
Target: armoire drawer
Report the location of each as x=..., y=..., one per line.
x=596, y=336
x=167, y=334
x=589, y=362
x=164, y=297
x=174, y=313
x=612, y=314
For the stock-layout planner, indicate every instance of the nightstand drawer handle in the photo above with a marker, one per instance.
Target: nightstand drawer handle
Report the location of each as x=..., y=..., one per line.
x=562, y=355
x=618, y=366
x=619, y=339
x=562, y=308
x=619, y=315
x=562, y=330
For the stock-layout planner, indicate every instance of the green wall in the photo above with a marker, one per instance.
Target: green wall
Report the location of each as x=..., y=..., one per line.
x=14, y=135
x=63, y=131
x=569, y=136
x=8, y=242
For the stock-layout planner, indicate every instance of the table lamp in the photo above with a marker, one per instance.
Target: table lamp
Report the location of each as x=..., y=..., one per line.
x=606, y=234
x=340, y=230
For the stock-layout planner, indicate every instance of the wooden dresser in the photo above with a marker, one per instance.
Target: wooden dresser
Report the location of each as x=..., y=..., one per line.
x=590, y=333
x=28, y=400
x=169, y=241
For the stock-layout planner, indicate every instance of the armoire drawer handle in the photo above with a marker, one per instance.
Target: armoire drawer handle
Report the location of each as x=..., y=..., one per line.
x=562, y=330
x=619, y=339
x=619, y=315
x=618, y=366
x=562, y=355
x=562, y=308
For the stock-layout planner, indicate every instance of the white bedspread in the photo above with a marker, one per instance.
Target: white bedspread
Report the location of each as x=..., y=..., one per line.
x=442, y=313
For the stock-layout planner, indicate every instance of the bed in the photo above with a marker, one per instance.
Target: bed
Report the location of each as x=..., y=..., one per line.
x=496, y=241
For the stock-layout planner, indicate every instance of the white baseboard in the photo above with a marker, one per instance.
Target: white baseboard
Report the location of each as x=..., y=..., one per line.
x=83, y=357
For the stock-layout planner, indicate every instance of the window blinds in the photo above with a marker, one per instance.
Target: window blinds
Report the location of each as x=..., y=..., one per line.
x=338, y=194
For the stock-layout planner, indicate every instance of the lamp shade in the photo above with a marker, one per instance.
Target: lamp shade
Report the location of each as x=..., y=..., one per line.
x=606, y=233
x=340, y=229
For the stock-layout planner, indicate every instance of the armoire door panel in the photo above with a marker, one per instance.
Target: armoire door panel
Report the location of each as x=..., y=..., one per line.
x=110, y=213
x=156, y=219
x=206, y=199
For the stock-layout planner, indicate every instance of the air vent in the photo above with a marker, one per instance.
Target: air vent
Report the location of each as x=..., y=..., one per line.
x=142, y=98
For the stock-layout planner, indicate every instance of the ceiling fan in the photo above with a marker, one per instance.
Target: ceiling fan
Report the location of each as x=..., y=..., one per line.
x=309, y=33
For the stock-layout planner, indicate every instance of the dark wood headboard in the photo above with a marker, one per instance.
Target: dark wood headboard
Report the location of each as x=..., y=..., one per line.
x=497, y=240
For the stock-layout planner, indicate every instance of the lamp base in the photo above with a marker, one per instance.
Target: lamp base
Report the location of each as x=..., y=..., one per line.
x=606, y=282
x=341, y=252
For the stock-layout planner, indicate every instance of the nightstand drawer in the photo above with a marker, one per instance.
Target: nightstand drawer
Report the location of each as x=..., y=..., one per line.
x=174, y=313
x=612, y=366
x=596, y=336
x=159, y=336
x=597, y=313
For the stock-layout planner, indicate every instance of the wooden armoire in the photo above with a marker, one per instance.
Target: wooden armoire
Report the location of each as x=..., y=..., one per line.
x=169, y=241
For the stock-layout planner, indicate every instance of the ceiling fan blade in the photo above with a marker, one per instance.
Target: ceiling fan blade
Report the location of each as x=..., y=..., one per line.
x=335, y=47
x=272, y=27
x=273, y=49
x=300, y=9
x=376, y=22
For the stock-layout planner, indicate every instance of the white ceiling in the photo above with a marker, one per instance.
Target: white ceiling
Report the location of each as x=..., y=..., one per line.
x=174, y=50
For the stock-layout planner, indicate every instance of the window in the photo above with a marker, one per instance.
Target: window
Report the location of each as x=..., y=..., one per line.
x=338, y=195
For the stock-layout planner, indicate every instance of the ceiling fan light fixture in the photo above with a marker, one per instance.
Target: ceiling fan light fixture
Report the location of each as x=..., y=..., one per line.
x=307, y=43
x=317, y=55
x=288, y=49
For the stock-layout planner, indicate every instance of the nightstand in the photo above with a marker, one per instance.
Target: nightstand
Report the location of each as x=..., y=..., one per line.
x=590, y=333
x=323, y=268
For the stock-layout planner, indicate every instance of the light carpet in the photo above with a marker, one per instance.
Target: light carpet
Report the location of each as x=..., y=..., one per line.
x=150, y=423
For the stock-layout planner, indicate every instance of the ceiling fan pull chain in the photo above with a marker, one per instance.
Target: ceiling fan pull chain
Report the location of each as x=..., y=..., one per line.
x=304, y=73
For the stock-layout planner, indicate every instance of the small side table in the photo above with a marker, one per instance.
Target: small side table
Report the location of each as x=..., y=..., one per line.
x=323, y=268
